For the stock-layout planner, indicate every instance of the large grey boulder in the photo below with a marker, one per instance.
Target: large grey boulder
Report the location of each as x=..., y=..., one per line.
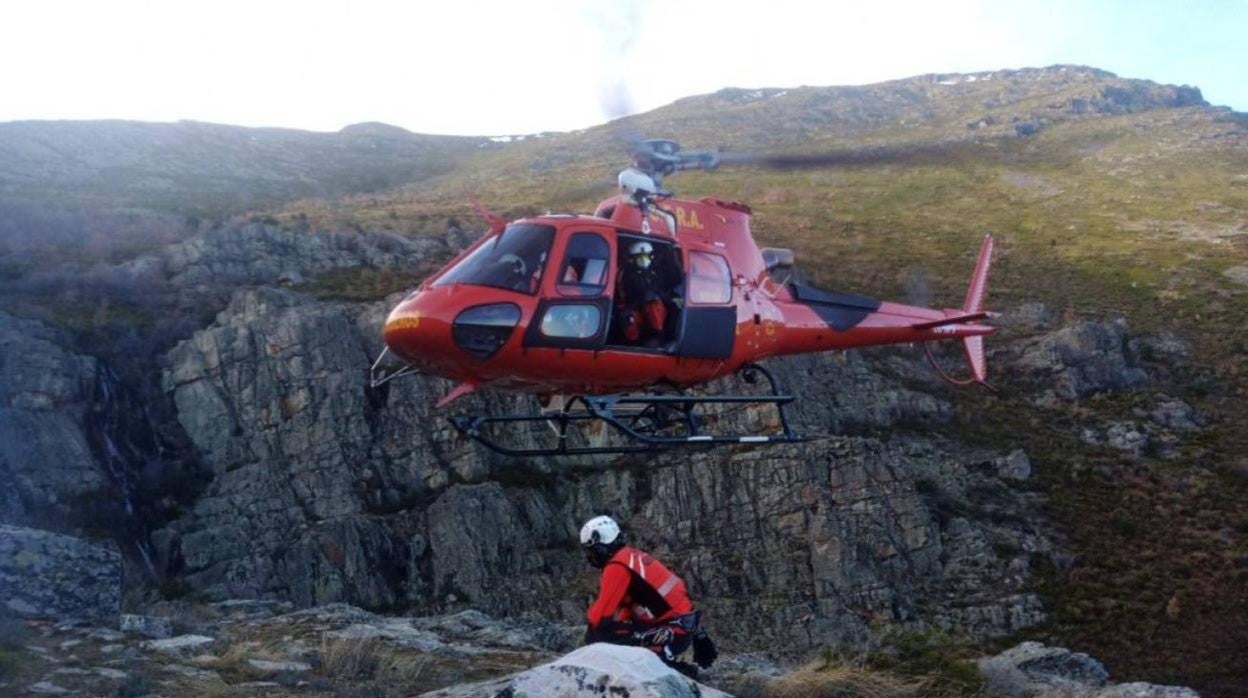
x=593, y=670
x=44, y=574
x=1032, y=668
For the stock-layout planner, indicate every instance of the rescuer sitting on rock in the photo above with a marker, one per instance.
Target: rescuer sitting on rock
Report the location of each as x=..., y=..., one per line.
x=640, y=601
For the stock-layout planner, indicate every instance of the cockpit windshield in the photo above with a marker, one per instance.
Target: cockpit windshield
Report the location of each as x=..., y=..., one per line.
x=512, y=260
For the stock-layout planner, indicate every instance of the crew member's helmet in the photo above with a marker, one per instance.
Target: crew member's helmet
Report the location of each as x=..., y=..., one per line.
x=600, y=538
x=641, y=253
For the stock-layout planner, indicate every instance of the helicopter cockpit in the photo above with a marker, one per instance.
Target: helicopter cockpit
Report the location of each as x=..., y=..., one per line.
x=513, y=260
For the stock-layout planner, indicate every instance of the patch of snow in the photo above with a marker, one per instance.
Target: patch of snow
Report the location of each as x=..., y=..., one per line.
x=501, y=139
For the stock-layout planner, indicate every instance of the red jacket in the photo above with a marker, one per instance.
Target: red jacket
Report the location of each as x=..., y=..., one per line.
x=639, y=588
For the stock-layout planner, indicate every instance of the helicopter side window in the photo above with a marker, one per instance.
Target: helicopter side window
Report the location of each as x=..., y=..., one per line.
x=512, y=260
x=710, y=280
x=585, y=264
x=572, y=321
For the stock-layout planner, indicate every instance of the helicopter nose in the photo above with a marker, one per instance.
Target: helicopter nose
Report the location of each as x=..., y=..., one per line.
x=412, y=332
x=434, y=330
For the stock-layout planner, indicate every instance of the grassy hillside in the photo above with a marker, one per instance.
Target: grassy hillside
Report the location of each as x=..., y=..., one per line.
x=210, y=170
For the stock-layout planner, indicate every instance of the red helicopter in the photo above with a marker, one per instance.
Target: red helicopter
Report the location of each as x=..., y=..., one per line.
x=540, y=306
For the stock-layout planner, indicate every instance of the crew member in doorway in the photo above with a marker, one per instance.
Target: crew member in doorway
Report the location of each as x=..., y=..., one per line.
x=640, y=601
x=643, y=295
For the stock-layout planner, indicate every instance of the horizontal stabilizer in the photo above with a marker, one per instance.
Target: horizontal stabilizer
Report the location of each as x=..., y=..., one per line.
x=953, y=320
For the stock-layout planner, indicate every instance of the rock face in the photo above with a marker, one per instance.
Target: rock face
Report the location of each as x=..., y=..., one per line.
x=46, y=574
x=46, y=392
x=326, y=491
x=1031, y=668
x=260, y=254
x=594, y=670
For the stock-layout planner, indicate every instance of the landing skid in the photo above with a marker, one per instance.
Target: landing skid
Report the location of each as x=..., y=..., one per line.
x=585, y=424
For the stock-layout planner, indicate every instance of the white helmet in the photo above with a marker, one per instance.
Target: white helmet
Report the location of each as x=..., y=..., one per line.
x=600, y=529
x=639, y=249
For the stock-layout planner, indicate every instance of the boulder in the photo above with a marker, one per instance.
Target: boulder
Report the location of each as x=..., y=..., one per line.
x=1080, y=360
x=1015, y=466
x=593, y=670
x=1176, y=414
x=49, y=575
x=1032, y=668
x=1127, y=436
x=153, y=627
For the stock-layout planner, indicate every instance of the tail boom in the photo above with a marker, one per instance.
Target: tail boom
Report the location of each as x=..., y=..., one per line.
x=819, y=321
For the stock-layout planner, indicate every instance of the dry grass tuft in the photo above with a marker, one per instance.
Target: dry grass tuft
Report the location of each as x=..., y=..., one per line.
x=823, y=679
x=369, y=658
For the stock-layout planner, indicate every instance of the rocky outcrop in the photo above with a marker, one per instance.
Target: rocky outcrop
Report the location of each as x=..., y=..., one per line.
x=48, y=575
x=262, y=254
x=1031, y=669
x=46, y=394
x=1080, y=360
x=594, y=670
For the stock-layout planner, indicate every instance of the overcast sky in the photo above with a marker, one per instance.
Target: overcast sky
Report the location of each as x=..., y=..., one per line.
x=520, y=67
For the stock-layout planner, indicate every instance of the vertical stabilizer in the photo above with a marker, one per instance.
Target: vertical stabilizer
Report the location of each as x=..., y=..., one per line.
x=974, y=346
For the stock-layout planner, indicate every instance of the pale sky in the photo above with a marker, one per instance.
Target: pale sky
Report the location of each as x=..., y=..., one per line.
x=494, y=68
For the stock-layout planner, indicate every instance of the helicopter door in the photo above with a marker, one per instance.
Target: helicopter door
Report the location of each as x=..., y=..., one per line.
x=710, y=319
x=576, y=316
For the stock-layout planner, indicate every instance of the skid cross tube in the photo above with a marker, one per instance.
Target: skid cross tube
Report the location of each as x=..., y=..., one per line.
x=641, y=427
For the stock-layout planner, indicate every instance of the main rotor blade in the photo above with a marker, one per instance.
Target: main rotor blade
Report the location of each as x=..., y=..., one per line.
x=914, y=154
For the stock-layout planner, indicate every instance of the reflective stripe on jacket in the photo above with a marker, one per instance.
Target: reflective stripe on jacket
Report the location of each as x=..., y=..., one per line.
x=655, y=593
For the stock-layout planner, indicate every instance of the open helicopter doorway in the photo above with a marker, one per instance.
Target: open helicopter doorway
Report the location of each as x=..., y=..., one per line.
x=649, y=295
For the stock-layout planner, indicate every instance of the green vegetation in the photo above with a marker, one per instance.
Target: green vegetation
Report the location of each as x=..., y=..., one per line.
x=10, y=660
x=365, y=283
x=14, y=635
x=944, y=664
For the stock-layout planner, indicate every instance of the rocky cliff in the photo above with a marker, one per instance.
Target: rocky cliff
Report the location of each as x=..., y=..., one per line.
x=319, y=489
